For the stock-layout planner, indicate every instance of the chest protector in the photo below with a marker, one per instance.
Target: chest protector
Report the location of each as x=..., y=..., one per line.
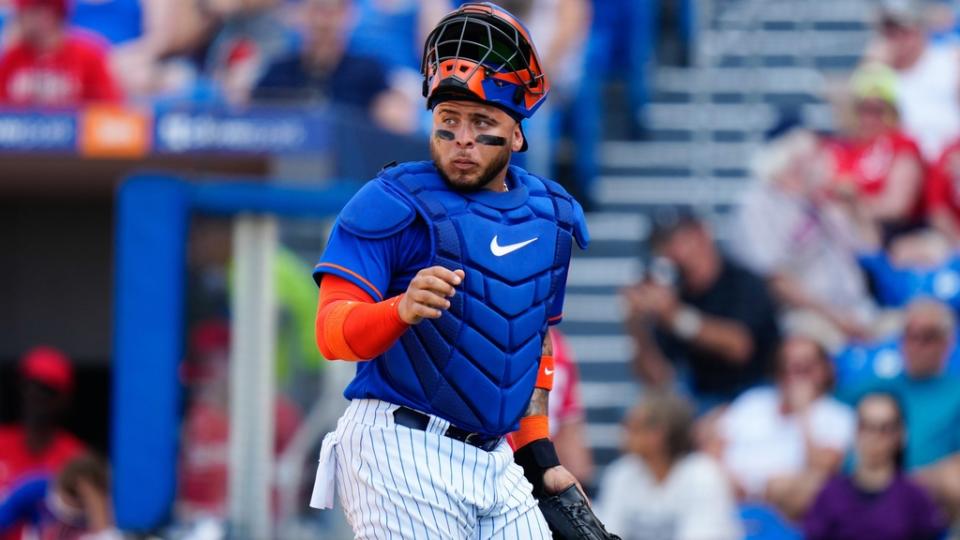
x=477, y=364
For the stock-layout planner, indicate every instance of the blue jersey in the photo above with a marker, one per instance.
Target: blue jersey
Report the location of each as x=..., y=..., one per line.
x=475, y=366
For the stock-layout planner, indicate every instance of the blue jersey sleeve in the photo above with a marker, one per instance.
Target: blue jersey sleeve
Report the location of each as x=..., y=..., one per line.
x=373, y=263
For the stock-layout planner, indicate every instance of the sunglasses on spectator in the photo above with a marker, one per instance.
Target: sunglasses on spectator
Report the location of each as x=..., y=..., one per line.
x=924, y=335
x=883, y=428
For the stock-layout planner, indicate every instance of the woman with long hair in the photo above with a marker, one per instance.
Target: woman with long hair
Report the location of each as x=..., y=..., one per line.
x=877, y=501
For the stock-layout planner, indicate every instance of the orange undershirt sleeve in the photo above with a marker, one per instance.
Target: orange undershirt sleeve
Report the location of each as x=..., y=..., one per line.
x=350, y=325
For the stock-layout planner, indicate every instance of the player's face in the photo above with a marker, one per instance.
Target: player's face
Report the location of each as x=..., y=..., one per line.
x=471, y=144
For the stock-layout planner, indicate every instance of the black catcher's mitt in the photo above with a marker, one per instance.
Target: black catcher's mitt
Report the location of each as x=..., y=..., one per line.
x=570, y=518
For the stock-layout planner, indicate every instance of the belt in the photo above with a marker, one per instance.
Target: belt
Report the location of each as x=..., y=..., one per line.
x=407, y=417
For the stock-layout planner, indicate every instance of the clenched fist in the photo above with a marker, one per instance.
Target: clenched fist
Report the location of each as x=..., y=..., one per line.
x=428, y=293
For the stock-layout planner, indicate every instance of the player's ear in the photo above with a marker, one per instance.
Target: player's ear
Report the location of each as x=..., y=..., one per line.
x=517, y=139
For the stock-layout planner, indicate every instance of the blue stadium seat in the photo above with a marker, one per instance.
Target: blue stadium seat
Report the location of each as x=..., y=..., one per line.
x=860, y=362
x=760, y=522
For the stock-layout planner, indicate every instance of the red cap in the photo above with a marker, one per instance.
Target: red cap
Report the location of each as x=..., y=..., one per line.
x=48, y=366
x=60, y=6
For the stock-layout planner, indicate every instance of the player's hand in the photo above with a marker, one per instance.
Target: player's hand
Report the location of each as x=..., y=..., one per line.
x=557, y=479
x=428, y=293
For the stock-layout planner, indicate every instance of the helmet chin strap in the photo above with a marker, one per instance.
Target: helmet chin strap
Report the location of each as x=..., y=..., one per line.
x=484, y=139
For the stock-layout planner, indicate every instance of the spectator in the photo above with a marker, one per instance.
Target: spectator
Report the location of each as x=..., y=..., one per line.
x=878, y=501
x=716, y=317
x=877, y=165
x=567, y=418
x=942, y=194
x=75, y=506
x=782, y=442
x=927, y=76
x=661, y=488
x=50, y=66
x=798, y=239
x=38, y=444
x=326, y=70
x=928, y=395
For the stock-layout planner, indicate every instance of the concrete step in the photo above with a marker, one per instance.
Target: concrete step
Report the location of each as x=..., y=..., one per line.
x=676, y=154
x=603, y=271
x=833, y=12
x=620, y=191
x=617, y=226
x=756, y=81
x=795, y=43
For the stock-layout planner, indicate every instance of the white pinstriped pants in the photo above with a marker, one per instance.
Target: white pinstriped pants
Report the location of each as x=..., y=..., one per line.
x=400, y=483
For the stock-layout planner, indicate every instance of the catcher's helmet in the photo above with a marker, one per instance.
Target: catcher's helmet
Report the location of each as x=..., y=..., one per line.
x=483, y=53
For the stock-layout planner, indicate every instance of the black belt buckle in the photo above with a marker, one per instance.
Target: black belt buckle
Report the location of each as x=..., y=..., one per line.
x=407, y=417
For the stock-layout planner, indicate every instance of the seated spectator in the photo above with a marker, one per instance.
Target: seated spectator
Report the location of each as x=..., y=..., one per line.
x=916, y=264
x=660, y=488
x=927, y=393
x=326, y=71
x=38, y=445
x=781, y=443
x=698, y=309
x=927, y=75
x=74, y=505
x=878, y=165
x=942, y=194
x=878, y=501
x=802, y=242
x=50, y=66
x=567, y=418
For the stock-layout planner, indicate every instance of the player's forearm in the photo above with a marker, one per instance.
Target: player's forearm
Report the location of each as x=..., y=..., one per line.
x=351, y=326
x=534, y=424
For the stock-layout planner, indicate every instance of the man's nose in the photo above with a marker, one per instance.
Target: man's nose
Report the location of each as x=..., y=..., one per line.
x=463, y=136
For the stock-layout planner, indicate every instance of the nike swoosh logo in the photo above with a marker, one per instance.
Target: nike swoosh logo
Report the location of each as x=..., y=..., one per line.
x=547, y=371
x=500, y=251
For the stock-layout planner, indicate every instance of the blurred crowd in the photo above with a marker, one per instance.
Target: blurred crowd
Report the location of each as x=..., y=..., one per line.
x=800, y=363
x=801, y=369
x=360, y=56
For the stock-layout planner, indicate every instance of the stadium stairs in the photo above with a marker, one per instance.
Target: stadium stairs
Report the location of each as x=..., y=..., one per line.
x=753, y=57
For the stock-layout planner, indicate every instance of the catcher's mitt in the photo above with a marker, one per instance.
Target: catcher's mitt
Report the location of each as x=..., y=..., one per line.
x=570, y=518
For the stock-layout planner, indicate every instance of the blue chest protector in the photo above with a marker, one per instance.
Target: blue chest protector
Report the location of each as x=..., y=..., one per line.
x=476, y=365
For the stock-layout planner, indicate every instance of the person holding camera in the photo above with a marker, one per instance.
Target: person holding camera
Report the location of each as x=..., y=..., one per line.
x=698, y=310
